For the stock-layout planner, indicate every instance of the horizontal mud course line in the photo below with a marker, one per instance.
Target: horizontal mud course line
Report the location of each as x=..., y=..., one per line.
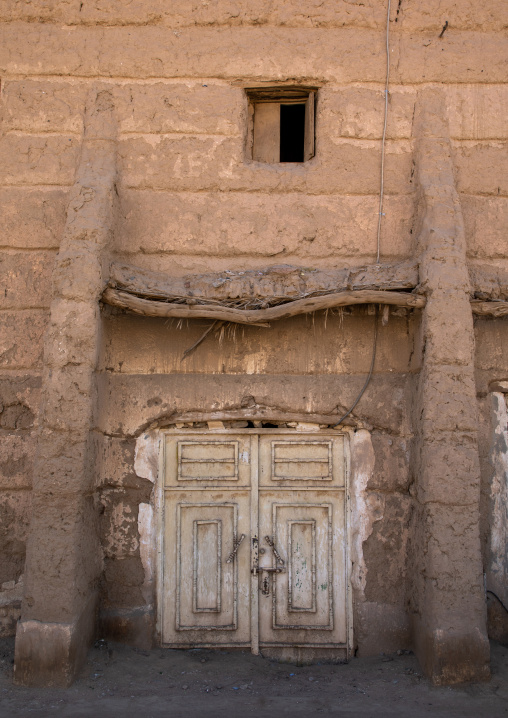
x=334, y=86
x=255, y=191
x=154, y=79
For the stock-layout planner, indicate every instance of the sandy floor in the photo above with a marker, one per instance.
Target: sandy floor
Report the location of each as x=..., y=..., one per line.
x=121, y=682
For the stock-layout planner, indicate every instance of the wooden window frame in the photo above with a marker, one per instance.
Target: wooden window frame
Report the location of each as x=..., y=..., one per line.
x=264, y=126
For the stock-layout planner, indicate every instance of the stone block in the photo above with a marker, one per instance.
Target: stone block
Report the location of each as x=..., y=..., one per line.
x=32, y=218
x=36, y=159
x=485, y=221
x=43, y=106
x=268, y=225
x=198, y=163
x=26, y=280
x=16, y=461
x=358, y=112
x=482, y=168
x=202, y=107
x=21, y=338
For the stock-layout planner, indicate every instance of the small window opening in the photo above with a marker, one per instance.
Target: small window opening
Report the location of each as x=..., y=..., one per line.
x=292, y=133
x=282, y=124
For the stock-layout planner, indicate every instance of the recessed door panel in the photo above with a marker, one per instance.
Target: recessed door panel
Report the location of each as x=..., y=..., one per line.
x=206, y=569
x=304, y=602
x=207, y=460
x=307, y=461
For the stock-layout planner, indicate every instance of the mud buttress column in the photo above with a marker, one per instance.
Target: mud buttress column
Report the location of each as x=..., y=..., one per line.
x=63, y=558
x=448, y=597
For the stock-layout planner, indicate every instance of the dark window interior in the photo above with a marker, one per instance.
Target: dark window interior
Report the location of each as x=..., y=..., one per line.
x=292, y=133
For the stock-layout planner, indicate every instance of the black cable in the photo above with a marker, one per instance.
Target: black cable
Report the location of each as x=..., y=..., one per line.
x=369, y=376
x=496, y=596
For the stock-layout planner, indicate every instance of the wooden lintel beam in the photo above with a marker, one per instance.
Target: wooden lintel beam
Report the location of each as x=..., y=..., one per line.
x=489, y=309
x=152, y=308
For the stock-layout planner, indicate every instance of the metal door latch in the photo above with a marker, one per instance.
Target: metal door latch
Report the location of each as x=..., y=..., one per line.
x=255, y=556
x=236, y=546
x=269, y=540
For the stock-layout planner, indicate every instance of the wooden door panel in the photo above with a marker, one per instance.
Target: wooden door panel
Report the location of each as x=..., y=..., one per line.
x=206, y=591
x=307, y=601
x=309, y=461
x=207, y=461
x=206, y=587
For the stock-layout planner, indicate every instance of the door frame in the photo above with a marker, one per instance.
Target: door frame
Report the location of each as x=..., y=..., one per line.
x=159, y=515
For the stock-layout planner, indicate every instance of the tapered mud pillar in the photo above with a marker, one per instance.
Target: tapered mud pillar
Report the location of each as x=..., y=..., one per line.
x=448, y=597
x=63, y=559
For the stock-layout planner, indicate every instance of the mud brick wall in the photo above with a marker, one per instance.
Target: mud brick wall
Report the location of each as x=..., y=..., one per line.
x=189, y=200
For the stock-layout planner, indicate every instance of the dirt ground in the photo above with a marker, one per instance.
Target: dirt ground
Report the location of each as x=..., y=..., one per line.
x=119, y=681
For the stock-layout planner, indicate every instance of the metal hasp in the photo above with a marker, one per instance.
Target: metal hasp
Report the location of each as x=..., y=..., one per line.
x=255, y=556
x=236, y=546
x=267, y=570
x=277, y=555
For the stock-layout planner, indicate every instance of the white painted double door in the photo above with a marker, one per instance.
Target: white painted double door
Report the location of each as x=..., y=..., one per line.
x=254, y=540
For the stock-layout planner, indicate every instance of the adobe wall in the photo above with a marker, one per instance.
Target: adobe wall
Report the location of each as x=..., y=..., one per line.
x=188, y=200
x=143, y=382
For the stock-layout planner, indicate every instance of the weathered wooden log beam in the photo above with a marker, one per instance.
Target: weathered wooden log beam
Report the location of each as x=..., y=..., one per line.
x=489, y=309
x=271, y=284
x=151, y=308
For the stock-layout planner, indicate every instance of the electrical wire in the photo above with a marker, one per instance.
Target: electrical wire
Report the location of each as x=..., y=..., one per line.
x=496, y=596
x=380, y=213
x=383, y=142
